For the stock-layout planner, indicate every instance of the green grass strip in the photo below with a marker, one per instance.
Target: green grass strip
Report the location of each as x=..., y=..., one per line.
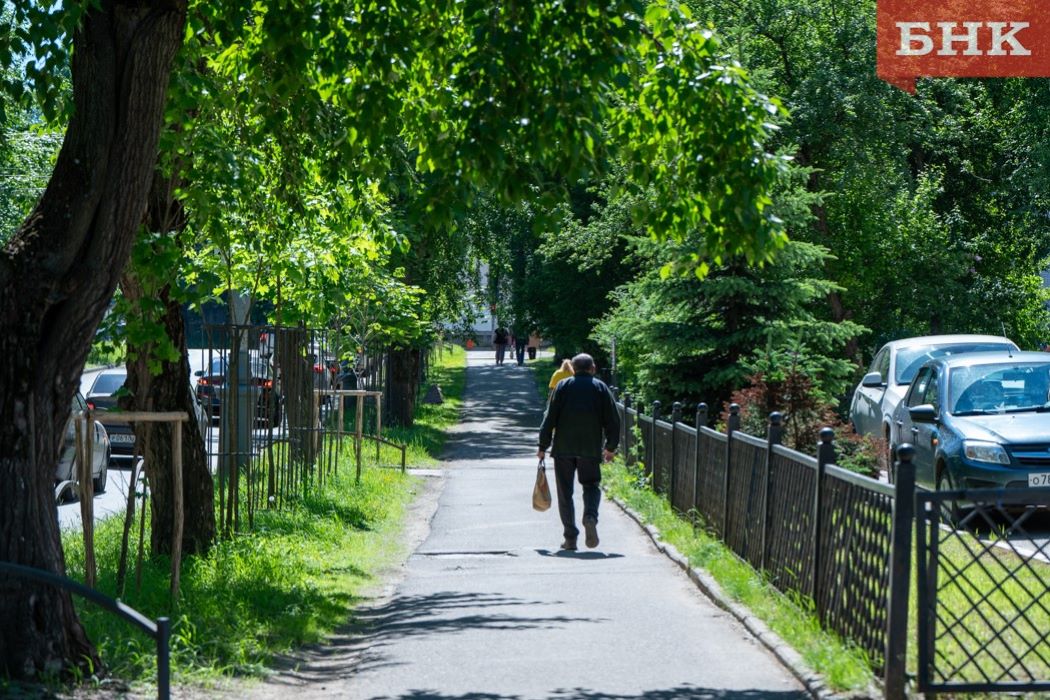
x=290, y=581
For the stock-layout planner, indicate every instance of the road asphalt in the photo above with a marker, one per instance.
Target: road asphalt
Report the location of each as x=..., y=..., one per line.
x=488, y=608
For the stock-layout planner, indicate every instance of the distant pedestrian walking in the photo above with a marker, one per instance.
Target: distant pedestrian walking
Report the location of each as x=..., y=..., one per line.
x=581, y=420
x=499, y=340
x=534, y=344
x=521, y=341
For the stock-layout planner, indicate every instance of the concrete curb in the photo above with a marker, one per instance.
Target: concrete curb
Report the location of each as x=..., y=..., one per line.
x=792, y=660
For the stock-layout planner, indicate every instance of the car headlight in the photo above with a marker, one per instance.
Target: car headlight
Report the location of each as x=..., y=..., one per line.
x=990, y=452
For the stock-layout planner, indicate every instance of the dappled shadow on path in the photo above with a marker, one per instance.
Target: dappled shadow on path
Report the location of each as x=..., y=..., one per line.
x=359, y=646
x=501, y=416
x=680, y=692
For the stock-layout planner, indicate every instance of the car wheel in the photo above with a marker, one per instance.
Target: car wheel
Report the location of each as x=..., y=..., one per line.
x=275, y=416
x=68, y=494
x=99, y=481
x=951, y=513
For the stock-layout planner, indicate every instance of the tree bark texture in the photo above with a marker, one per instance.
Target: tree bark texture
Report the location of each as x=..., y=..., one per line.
x=297, y=389
x=57, y=275
x=170, y=391
x=404, y=385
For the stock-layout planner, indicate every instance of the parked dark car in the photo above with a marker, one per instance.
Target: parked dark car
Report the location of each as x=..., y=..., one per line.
x=980, y=420
x=212, y=389
x=102, y=396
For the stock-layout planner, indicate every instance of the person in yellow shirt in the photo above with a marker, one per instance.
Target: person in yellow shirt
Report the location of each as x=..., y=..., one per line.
x=563, y=372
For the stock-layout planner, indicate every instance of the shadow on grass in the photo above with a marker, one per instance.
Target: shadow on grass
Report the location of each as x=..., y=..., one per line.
x=288, y=523
x=348, y=514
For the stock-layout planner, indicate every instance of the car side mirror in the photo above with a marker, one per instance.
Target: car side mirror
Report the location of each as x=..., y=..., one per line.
x=872, y=380
x=924, y=413
x=199, y=373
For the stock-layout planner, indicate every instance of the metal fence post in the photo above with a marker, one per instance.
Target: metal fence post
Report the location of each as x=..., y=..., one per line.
x=701, y=421
x=625, y=430
x=732, y=424
x=900, y=573
x=163, y=658
x=676, y=418
x=650, y=448
x=825, y=456
x=774, y=434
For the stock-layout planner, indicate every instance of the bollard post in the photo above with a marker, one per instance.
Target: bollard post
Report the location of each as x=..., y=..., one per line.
x=163, y=659
x=774, y=435
x=650, y=449
x=732, y=425
x=900, y=574
x=825, y=456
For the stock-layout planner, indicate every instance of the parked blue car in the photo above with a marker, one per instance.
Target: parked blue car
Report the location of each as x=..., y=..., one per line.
x=979, y=420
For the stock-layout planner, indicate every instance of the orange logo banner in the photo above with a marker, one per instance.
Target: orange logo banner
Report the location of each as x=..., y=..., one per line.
x=962, y=39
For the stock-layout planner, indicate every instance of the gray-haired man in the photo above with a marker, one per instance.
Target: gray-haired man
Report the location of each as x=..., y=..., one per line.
x=582, y=419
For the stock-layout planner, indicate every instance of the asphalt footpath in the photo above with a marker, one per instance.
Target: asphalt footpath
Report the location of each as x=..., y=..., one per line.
x=490, y=609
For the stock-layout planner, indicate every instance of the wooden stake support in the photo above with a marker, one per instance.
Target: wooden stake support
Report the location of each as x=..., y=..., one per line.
x=360, y=394
x=176, y=418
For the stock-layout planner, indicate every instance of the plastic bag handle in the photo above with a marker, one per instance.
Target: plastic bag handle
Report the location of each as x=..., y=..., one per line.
x=543, y=463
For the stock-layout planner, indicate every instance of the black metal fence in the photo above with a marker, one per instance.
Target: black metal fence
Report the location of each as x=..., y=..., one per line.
x=815, y=529
x=984, y=593
x=845, y=541
x=272, y=428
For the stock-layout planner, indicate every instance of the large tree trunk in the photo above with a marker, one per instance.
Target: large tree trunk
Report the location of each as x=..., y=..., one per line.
x=57, y=276
x=170, y=391
x=404, y=385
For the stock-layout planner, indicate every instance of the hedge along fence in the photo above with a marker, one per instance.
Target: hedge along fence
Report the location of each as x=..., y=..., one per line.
x=815, y=529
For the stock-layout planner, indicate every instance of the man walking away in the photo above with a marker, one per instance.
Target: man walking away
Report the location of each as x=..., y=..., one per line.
x=499, y=339
x=585, y=427
x=521, y=340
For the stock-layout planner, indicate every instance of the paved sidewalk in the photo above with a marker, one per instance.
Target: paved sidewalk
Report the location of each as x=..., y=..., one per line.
x=490, y=610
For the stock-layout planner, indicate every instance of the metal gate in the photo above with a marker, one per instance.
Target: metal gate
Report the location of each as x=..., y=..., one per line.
x=983, y=590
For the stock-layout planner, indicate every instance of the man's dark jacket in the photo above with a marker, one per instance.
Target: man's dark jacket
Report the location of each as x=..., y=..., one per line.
x=581, y=408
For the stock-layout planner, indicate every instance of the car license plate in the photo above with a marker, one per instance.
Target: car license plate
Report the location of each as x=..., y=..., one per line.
x=125, y=437
x=1037, y=480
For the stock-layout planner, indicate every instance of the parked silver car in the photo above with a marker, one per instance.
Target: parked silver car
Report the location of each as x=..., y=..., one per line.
x=65, y=473
x=895, y=365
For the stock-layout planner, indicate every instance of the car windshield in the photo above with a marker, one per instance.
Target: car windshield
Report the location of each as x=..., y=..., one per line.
x=911, y=358
x=218, y=368
x=1000, y=388
x=106, y=384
